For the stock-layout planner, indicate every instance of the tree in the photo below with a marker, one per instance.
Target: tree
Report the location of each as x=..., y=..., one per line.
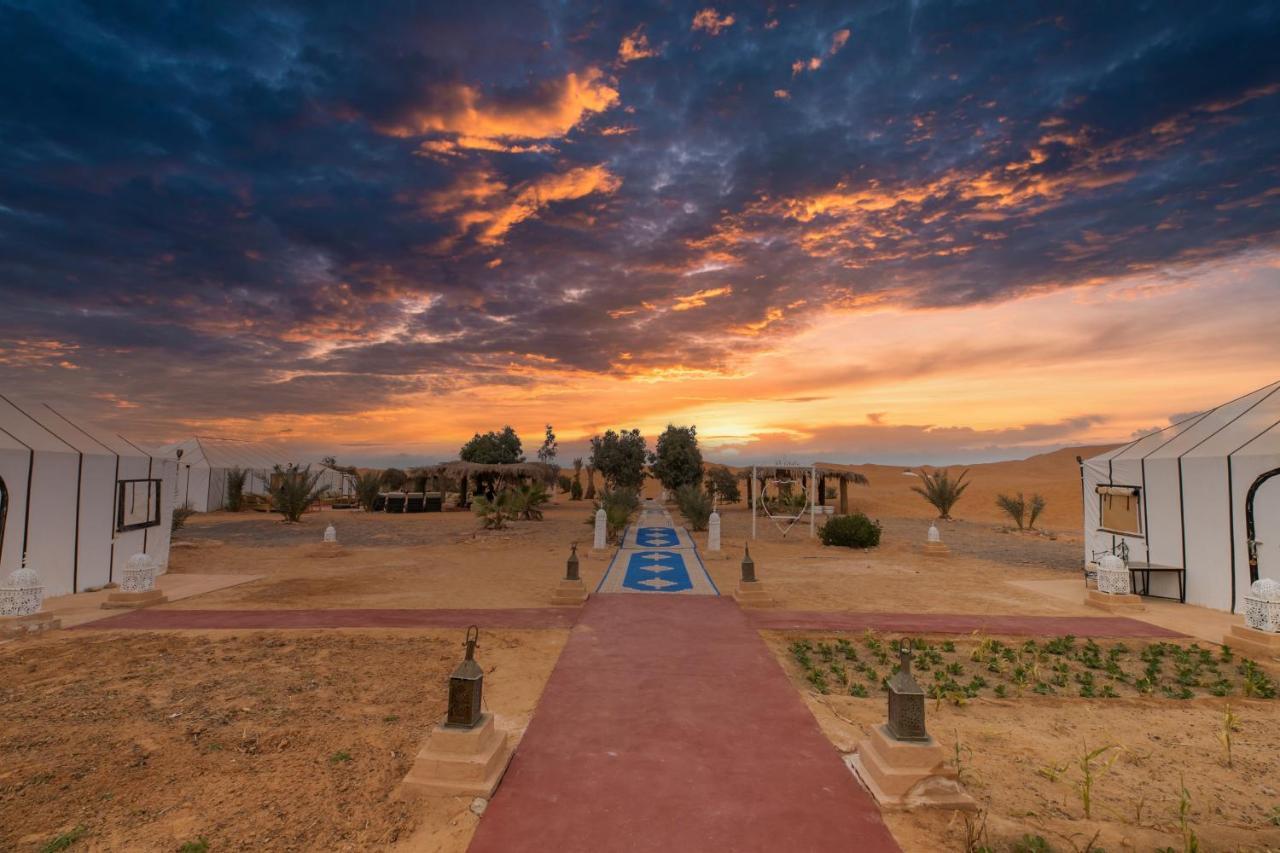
x=619, y=457
x=723, y=485
x=677, y=461
x=940, y=491
x=547, y=452
x=591, y=482
x=293, y=490
x=695, y=505
x=235, y=489
x=493, y=448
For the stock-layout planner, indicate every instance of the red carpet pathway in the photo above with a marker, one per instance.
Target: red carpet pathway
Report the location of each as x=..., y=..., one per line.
x=668, y=726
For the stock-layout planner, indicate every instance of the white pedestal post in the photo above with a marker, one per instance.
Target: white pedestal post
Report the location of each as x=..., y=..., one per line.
x=713, y=532
x=601, y=539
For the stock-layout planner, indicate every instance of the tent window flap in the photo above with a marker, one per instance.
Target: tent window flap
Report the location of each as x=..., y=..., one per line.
x=138, y=504
x=1121, y=509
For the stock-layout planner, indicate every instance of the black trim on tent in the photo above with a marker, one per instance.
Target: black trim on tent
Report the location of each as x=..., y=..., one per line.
x=115, y=510
x=1249, y=531
x=1231, y=522
x=26, y=510
x=4, y=513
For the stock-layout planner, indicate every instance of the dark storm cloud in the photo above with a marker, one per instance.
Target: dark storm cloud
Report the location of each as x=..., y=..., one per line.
x=407, y=198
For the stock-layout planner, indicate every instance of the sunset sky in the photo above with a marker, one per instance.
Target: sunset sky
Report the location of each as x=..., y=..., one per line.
x=883, y=231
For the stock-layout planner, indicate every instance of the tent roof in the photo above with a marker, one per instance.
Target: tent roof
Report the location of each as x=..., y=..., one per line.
x=1246, y=426
x=41, y=427
x=211, y=452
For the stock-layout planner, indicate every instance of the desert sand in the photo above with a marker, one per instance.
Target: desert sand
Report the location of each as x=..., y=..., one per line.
x=296, y=739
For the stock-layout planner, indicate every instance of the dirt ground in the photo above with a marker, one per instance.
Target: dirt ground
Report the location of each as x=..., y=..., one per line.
x=445, y=560
x=286, y=740
x=1019, y=758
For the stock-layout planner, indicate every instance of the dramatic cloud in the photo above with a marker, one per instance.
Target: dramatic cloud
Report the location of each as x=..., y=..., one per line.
x=289, y=216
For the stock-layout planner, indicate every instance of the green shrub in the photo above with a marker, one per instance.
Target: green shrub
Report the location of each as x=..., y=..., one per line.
x=723, y=485
x=180, y=516
x=575, y=491
x=368, y=485
x=1014, y=507
x=564, y=483
x=618, y=504
x=941, y=491
x=695, y=505
x=235, y=489
x=850, y=531
x=527, y=500
x=293, y=491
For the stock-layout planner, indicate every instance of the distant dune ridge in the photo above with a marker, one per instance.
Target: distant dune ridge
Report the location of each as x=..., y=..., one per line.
x=1054, y=475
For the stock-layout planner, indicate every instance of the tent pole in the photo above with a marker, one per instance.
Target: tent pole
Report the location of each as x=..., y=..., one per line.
x=753, y=504
x=813, y=510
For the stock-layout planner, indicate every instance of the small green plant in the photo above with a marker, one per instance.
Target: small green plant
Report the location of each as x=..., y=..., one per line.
x=1274, y=820
x=368, y=485
x=1031, y=844
x=1014, y=507
x=493, y=514
x=575, y=491
x=1035, y=507
x=528, y=499
x=64, y=841
x=850, y=531
x=235, y=489
x=618, y=505
x=941, y=491
x=1256, y=683
x=340, y=757
x=975, y=834
x=1091, y=771
x=200, y=845
x=1190, y=843
x=1230, y=725
x=695, y=505
x=961, y=757
x=180, y=516
x=391, y=718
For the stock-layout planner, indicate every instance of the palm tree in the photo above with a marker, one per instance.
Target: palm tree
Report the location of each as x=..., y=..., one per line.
x=591, y=483
x=295, y=490
x=940, y=491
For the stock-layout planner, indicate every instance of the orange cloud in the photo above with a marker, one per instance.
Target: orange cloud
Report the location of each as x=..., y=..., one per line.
x=838, y=41
x=710, y=21
x=781, y=93
x=553, y=109
x=697, y=300
x=480, y=202
x=635, y=45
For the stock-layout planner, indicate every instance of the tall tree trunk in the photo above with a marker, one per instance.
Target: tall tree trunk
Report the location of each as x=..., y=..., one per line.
x=844, y=496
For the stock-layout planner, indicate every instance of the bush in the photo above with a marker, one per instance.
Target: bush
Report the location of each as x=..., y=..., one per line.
x=564, y=483
x=1034, y=508
x=493, y=514
x=695, y=506
x=180, y=516
x=850, y=531
x=393, y=479
x=575, y=491
x=526, y=501
x=618, y=504
x=1014, y=507
x=235, y=489
x=368, y=485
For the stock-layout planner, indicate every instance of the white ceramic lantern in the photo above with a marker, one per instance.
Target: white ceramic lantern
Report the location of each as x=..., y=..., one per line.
x=331, y=534
x=22, y=594
x=1113, y=576
x=1262, y=606
x=934, y=535
x=139, y=574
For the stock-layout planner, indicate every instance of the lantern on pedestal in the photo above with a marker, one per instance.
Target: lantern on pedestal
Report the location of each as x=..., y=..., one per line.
x=906, y=702
x=748, y=567
x=571, y=567
x=466, y=688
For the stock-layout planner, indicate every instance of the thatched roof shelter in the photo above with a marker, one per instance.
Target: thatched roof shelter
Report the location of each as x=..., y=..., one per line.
x=824, y=470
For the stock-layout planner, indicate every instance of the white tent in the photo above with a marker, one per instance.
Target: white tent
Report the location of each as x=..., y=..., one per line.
x=1202, y=495
x=205, y=463
x=77, y=500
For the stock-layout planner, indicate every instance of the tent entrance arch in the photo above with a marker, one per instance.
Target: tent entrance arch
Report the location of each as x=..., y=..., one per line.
x=1250, y=520
x=4, y=513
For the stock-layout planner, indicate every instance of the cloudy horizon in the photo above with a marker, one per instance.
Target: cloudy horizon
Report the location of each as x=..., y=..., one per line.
x=906, y=233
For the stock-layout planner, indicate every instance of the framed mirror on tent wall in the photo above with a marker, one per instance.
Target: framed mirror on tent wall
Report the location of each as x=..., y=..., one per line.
x=138, y=504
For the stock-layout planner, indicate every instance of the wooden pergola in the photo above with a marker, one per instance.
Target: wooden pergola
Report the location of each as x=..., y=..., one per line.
x=821, y=470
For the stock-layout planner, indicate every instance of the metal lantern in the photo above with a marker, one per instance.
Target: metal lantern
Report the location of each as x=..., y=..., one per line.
x=906, y=702
x=748, y=567
x=466, y=688
x=571, y=567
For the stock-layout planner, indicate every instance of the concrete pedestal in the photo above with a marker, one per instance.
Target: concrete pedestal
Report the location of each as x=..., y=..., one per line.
x=936, y=549
x=128, y=600
x=327, y=549
x=753, y=594
x=1253, y=643
x=569, y=594
x=907, y=775
x=42, y=621
x=461, y=762
x=1128, y=603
